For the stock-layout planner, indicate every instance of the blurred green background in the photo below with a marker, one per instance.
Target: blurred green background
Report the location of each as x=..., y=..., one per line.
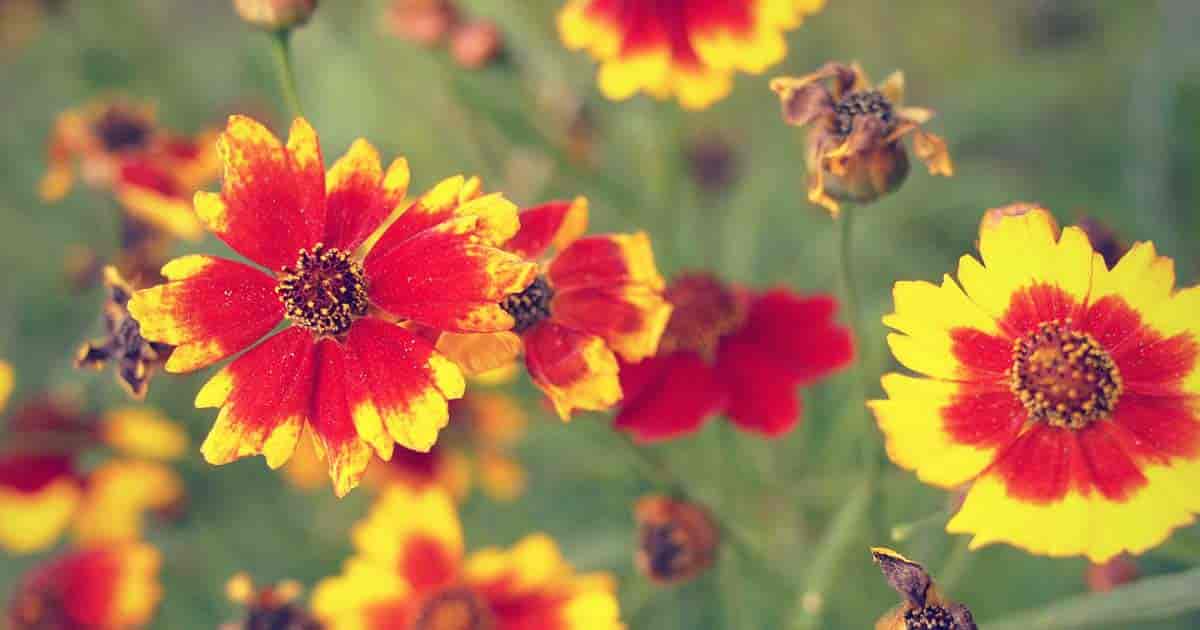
x=1087, y=107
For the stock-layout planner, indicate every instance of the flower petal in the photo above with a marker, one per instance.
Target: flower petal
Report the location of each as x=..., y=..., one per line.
x=209, y=308
x=606, y=261
x=575, y=370
x=264, y=396
x=668, y=396
x=479, y=353
x=630, y=318
x=932, y=321
x=407, y=528
x=332, y=422
x=272, y=201
x=556, y=224
x=762, y=392
x=39, y=495
x=445, y=278
x=366, y=596
x=452, y=198
x=360, y=197
x=119, y=492
x=799, y=332
x=114, y=586
x=150, y=193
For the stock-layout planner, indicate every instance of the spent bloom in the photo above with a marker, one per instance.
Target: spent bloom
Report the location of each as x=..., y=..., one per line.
x=410, y=572
x=343, y=369
x=275, y=15
x=683, y=49
x=923, y=608
x=676, y=540
x=119, y=146
x=728, y=350
x=133, y=359
x=1061, y=391
x=106, y=587
x=854, y=150
x=596, y=298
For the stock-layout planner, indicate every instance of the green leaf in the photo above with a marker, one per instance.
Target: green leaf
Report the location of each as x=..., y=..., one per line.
x=1159, y=597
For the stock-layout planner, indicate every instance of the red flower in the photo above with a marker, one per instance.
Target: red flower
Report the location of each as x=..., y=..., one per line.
x=343, y=368
x=732, y=351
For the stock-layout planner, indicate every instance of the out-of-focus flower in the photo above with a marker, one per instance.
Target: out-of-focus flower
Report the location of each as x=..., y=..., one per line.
x=141, y=253
x=596, y=298
x=683, y=49
x=474, y=448
x=854, y=150
x=119, y=146
x=476, y=44
x=712, y=163
x=275, y=15
x=21, y=21
x=111, y=587
x=343, y=368
x=425, y=22
x=133, y=358
x=7, y=379
x=1061, y=390
x=409, y=573
x=268, y=607
x=45, y=486
x=733, y=351
x=676, y=540
x=923, y=608
x=1118, y=571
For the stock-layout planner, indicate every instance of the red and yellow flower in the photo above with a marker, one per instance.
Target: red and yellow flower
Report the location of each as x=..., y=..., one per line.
x=410, y=573
x=119, y=146
x=597, y=298
x=683, y=49
x=1063, y=392
x=45, y=488
x=732, y=351
x=114, y=587
x=343, y=369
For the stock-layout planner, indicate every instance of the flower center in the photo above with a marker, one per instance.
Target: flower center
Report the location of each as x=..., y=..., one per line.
x=705, y=311
x=119, y=131
x=869, y=103
x=325, y=292
x=666, y=549
x=457, y=608
x=1064, y=377
x=929, y=618
x=530, y=306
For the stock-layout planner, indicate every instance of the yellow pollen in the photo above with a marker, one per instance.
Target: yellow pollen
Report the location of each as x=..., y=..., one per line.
x=324, y=292
x=1064, y=377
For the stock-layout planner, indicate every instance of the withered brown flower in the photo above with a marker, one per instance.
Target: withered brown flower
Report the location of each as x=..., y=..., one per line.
x=923, y=608
x=854, y=150
x=134, y=358
x=677, y=540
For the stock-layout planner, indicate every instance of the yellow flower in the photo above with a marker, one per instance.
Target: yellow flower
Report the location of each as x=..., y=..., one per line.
x=1063, y=392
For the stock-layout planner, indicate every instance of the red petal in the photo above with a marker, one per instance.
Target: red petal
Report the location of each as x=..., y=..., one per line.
x=273, y=196
x=209, y=309
x=1159, y=427
x=986, y=358
x=667, y=397
x=799, y=332
x=332, y=422
x=1110, y=470
x=28, y=473
x=762, y=390
x=427, y=564
x=984, y=416
x=1030, y=307
x=1040, y=465
x=148, y=175
x=575, y=370
x=360, y=197
x=605, y=261
x=555, y=223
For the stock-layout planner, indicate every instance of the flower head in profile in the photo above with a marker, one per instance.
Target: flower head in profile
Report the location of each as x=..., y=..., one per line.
x=676, y=540
x=732, y=351
x=689, y=50
x=133, y=359
x=62, y=469
x=854, y=150
x=923, y=608
x=410, y=572
x=119, y=146
x=1063, y=392
x=275, y=15
x=110, y=587
x=343, y=369
x=596, y=298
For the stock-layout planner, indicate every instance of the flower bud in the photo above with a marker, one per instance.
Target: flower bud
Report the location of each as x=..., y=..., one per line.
x=275, y=15
x=677, y=540
x=1102, y=578
x=476, y=44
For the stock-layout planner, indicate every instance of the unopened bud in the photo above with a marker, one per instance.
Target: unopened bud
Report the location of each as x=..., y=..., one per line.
x=677, y=540
x=476, y=44
x=275, y=15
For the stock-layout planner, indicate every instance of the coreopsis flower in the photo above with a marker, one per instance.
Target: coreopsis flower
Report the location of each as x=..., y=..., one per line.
x=48, y=486
x=596, y=298
x=133, y=358
x=424, y=22
x=119, y=146
x=111, y=587
x=1063, y=392
x=683, y=49
x=343, y=369
x=676, y=540
x=21, y=21
x=923, y=608
x=728, y=350
x=275, y=15
x=854, y=150
x=409, y=572
x=268, y=607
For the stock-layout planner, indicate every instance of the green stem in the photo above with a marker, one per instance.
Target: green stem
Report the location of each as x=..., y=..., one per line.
x=956, y=564
x=281, y=44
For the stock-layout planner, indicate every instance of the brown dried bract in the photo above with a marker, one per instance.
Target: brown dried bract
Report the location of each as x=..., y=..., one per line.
x=134, y=358
x=924, y=608
x=677, y=540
